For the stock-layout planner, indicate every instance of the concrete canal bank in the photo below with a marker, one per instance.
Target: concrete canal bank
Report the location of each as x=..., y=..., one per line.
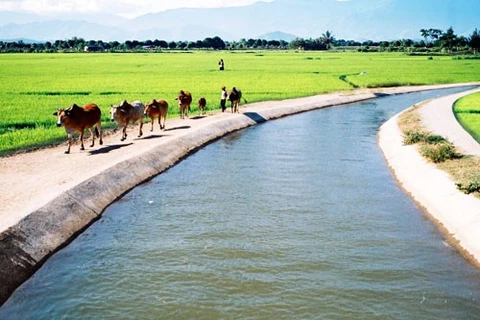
x=457, y=214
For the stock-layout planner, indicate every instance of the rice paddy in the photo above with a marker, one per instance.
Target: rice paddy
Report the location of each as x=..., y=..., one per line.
x=35, y=85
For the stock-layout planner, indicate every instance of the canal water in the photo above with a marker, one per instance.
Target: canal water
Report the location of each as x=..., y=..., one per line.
x=297, y=218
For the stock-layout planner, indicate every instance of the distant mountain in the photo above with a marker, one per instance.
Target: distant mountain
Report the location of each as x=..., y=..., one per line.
x=60, y=30
x=277, y=35
x=24, y=40
x=8, y=17
x=351, y=20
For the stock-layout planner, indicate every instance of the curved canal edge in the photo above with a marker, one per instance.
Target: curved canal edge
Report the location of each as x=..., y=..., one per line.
x=25, y=246
x=456, y=214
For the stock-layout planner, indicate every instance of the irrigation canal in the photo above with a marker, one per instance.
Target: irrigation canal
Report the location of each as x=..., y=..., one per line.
x=297, y=218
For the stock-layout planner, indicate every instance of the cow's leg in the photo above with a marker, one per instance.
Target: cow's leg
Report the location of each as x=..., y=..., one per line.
x=99, y=131
x=93, y=136
x=152, y=120
x=160, y=117
x=69, y=142
x=82, y=147
x=140, y=132
x=124, y=133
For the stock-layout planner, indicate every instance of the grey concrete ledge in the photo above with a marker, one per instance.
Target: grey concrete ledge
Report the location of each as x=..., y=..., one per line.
x=456, y=214
x=27, y=244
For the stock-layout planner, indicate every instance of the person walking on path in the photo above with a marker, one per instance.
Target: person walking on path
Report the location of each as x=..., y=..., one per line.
x=223, y=99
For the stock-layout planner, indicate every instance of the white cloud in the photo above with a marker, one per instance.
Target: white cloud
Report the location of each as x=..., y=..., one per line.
x=129, y=8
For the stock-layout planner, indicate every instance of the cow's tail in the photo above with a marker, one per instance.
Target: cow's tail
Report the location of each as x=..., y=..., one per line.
x=240, y=96
x=97, y=133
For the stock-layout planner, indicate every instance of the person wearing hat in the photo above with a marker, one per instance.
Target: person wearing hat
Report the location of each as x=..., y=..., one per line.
x=223, y=99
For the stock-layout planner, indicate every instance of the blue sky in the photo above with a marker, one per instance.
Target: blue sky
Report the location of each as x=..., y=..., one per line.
x=134, y=8
x=347, y=19
x=128, y=8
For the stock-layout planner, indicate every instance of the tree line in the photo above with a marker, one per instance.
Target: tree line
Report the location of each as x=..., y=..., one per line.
x=434, y=41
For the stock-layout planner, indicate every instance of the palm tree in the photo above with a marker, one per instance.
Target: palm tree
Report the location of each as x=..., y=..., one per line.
x=327, y=39
x=426, y=34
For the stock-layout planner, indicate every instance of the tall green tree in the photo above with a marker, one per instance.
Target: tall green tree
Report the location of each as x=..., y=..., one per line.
x=426, y=35
x=431, y=35
x=449, y=39
x=327, y=39
x=218, y=43
x=474, y=41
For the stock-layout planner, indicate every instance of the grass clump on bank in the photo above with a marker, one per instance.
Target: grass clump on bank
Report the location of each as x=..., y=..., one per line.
x=463, y=169
x=433, y=147
x=439, y=152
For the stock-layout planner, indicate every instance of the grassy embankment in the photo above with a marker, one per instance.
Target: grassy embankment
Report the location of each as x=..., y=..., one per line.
x=35, y=85
x=467, y=111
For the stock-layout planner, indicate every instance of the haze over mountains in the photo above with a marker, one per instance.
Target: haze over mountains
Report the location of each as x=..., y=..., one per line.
x=281, y=20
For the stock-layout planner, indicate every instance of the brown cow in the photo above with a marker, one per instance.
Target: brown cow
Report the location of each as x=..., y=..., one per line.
x=184, y=101
x=126, y=113
x=157, y=109
x=202, y=102
x=77, y=119
x=235, y=97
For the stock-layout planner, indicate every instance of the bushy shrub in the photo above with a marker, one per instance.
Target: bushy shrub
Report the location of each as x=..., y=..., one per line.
x=411, y=137
x=439, y=152
x=472, y=186
x=433, y=147
x=434, y=139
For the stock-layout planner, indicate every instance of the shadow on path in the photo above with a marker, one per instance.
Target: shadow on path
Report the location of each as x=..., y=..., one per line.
x=153, y=136
x=178, y=128
x=197, y=117
x=107, y=149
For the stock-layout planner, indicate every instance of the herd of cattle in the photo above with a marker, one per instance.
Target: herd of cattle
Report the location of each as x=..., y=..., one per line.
x=77, y=119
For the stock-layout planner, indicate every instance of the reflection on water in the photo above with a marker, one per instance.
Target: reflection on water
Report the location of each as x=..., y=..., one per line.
x=297, y=218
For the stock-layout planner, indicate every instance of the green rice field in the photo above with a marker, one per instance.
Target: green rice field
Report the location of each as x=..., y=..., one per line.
x=467, y=111
x=35, y=85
